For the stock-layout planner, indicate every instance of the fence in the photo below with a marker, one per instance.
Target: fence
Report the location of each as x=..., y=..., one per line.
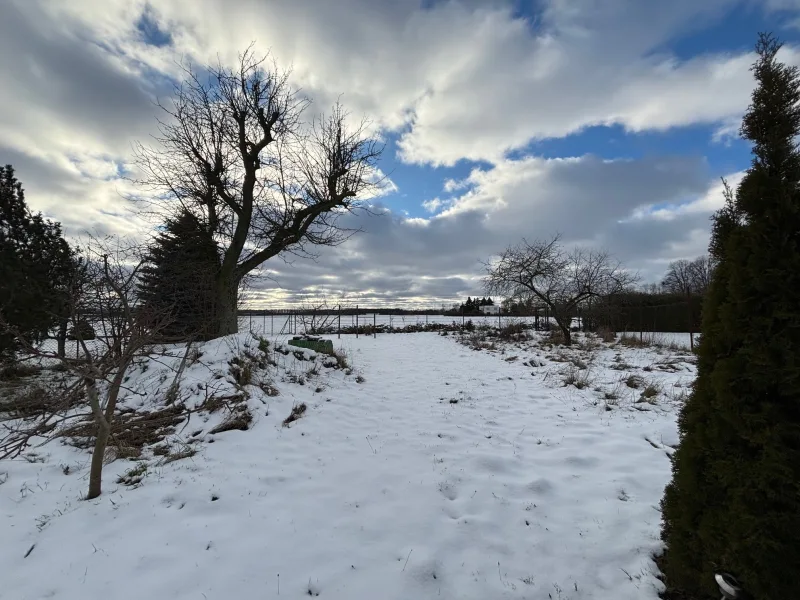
x=364, y=322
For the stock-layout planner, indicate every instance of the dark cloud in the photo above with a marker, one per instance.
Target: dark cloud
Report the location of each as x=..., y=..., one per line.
x=55, y=78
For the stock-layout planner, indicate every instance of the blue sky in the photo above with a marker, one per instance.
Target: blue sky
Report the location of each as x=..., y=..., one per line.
x=608, y=122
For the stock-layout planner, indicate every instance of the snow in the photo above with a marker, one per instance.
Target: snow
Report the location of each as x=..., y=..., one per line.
x=443, y=472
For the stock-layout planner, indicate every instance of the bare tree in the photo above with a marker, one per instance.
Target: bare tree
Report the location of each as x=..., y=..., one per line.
x=559, y=278
x=107, y=295
x=235, y=152
x=702, y=272
x=679, y=278
x=689, y=278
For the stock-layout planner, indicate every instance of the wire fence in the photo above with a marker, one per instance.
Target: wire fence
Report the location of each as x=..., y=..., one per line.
x=627, y=318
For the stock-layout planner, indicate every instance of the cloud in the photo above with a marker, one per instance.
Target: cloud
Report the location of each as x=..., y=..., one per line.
x=432, y=205
x=459, y=80
x=610, y=204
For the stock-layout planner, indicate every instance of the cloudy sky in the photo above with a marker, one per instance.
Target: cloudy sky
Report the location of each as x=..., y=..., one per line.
x=610, y=122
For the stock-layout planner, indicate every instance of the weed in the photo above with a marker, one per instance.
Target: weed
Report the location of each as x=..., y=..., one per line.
x=297, y=411
x=134, y=476
x=580, y=378
x=652, y=390
x=239, y=419
x=634, y=382
x=268, y=388
x=341, y=359
x=185, y=452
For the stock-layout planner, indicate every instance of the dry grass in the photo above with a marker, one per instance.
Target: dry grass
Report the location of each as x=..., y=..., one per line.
x=575, y=376
x=18, y=371
x=513, y=332
x=650, y=392
x=239, y=420
x=606, y=335
x=298, y=410
x=634, y=382
x=341, y=359
x=185, y=452
x=134, y=476
x=27, y=401
x=130, y=431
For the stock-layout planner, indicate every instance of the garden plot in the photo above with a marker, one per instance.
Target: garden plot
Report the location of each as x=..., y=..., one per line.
x=422, y=469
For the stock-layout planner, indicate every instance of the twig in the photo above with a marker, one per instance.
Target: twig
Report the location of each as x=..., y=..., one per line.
x=370, y=444
x=407, y=557
x=28, y=553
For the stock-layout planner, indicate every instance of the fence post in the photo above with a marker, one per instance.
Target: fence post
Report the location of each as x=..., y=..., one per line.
x=356, y=321
x=499, y=310
x=374, y=325
x=641, y=323
x=339, y=326
x=272, y=323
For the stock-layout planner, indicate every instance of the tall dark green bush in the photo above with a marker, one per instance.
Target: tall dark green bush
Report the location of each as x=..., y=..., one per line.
x=734, y=501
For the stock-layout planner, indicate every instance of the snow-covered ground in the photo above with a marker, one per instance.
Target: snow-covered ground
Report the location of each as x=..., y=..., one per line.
x=431, y=470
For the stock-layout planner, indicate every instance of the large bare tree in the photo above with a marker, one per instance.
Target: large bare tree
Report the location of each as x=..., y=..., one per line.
x=559, y=278
x=234, y=150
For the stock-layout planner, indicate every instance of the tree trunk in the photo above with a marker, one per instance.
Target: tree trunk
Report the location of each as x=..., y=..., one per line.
x=104, y=421
x=61, y=337
x=567, y=334
x=100, y=442
x=564, y=326
x=225, y=314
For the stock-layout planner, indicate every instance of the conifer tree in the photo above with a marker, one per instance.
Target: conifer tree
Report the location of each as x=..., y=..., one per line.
x=733, y=504
x=37, y=266
x=178, y=278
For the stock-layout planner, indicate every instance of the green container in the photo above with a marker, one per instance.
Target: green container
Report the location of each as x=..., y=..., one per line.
x=316, y=344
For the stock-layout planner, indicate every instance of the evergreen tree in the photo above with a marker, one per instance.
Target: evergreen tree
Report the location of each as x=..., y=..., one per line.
x=178, y=279
x=734, y=501
x=37, y=267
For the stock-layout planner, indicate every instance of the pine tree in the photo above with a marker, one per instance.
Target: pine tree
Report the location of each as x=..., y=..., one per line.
x=37, y=266
x=734, y=501
x=178, y=279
